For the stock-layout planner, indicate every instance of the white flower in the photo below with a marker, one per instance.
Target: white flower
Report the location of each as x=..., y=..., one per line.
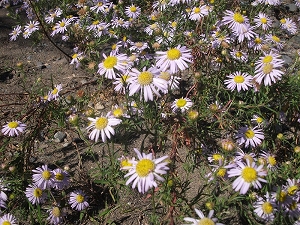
x=145, y=171
x=236, y=21
x=133, y=11
x=146, y=82
x=102, y=125
x=8, y=219
x=203, y=219
x=56, y=215
x=78, y=200
x=15, y=33
x=266, y=69
x=262, y=20
x=13, y=128
x=43, y=177
x=61, y=26
x=181, y=104
x=250, y=136
x=288, y=25
x=54, y=94
x=174, y=59
x=111, y=63
x=199, y=12
x=248, y=174
x=238, y=80
x=35, y=194
x=265, y=207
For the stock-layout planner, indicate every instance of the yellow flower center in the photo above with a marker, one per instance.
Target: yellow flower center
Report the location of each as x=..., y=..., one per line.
x=139, y=44
x=173, y=54
x=249, y=174
x=239, y=79
x=56, y=212
x=293, y=206
x=144, y=167
x=221, y=172
x=257, y=40
x=96, y=22
x=197, y=10
x=292, y=190
x=125, y=163
x=262, y=161
x=174, y=24
x=259, y=120
x=206, y=221
x=132, y=9
x=59, y=176
x=268, y=68
x=114, y=47
x=37, y=192
x=62, y=24
x=55, y=91
x=99, y=4
x=101, y=123
x=13, y=124
x=74, y=56
x=249, y=134
x=283, y=21
x=282, y=196
x=263, y=20
x=118, y=112
x=165, y=75
x=79, y=198
x=272, y=160
x=238, y=54
x=193, y=114
x=267, y=207
x=145, y=78
x=180, y=102
x=217, y=157
x=110, y=62
x=237, y=17
x=267, y=59
x=275, y=38
x=6, y=222
x=124, y=78
x=46, y=175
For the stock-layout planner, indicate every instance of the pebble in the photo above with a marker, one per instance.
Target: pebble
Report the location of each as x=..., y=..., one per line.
x=59, y=136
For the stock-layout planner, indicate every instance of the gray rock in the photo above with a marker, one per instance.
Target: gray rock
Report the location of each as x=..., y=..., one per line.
x=292, y=7
x=288, y=61
x=59, y=136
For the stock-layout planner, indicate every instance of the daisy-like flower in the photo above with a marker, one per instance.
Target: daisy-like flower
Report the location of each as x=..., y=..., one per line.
x=118, y=112
x=246, y=33
x=270, y=2
x=61, y=26
x=274, y=40
x=126, y=163
x=60, y=179
x=15, y=33
x=270, y=160
x=101, y=6
x=209, y=220
x=257, y=120
x=181, y=104
x=248, y=174
x=13, y=128
x=35, y=194
x=76, y=58
x=32, y=26
x=199, y=12
x=111, y=63
x=289, y=25
x=266, y=69
x=102, y=126
x=133, y=11
x=239, y=55
x=215, y=158
x=173, y=81
x=243, y=156
x=250, y=136
x=145, y=171
x=3, y=196
x=256, y=43
x=138, y=46
x=8, y=219
x=54, y=94
x=292, y=187
x=43, y=177
x=265, y=207
x=146, y=82
x=78, y=200
x=263, y=21
x=52, y=15
x=121, y=83
x=56, y=215
x=238, y=80
x=236, y=21
x=174, y=59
